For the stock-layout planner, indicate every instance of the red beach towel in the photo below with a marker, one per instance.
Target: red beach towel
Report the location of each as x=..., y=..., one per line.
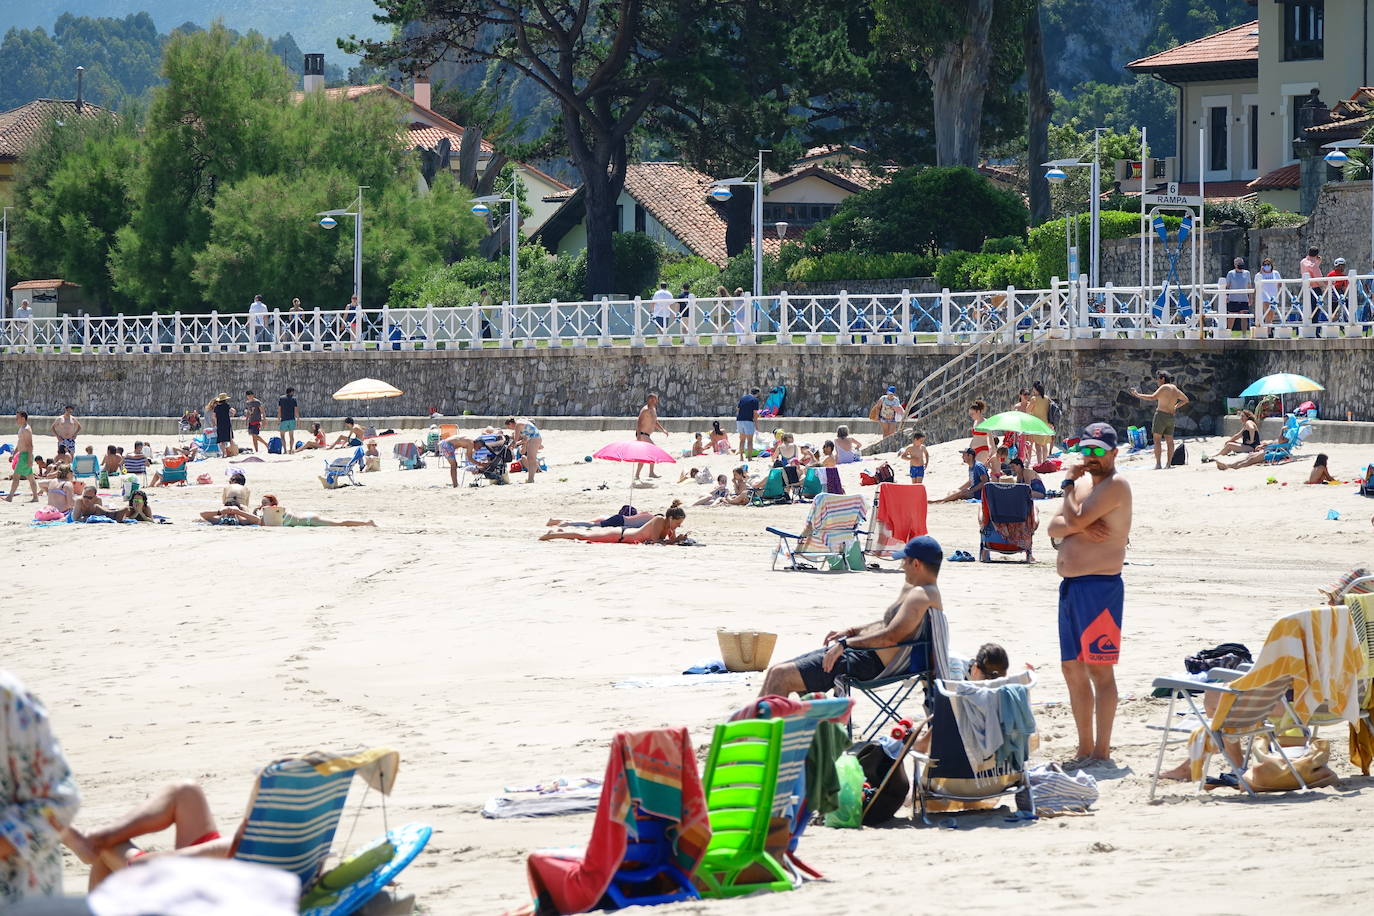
x=901, y=515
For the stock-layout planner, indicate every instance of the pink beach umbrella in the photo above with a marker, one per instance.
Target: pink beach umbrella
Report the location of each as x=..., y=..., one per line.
x=635, y=451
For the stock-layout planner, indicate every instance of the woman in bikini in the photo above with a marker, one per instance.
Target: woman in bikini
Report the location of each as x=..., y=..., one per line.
x=661, y=529
x=720, y=442
x=981, y=443
x=1244, y=442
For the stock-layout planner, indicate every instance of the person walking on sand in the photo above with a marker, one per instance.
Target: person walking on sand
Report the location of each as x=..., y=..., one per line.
x=1168, y=399
x=746, y=422
x=1092, y=527
x=646, y=426
x=888, y=411
x=252, y=410
x=66, y=428
x=23, y=458
x=224, y=423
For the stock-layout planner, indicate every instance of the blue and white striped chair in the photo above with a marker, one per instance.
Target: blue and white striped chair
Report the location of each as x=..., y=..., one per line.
x=293, y=816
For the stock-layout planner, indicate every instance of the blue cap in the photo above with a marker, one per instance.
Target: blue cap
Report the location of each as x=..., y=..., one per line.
x=924, y=548
x=891, y=389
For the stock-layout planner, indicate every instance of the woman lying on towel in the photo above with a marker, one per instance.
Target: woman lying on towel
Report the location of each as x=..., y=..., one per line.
x=233, y=515
x=660, y=529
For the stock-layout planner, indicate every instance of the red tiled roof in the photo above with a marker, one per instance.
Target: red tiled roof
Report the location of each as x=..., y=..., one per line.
x=1236, y=45
x=1285, y=178
x=19, y=126
x=1350, y=118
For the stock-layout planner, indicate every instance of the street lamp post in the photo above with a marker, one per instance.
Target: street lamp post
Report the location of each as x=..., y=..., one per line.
x=1338, y=157
x=482, y=206
x=720, y=191
x=4, y=260
x=1056, y=174
x=327, y=221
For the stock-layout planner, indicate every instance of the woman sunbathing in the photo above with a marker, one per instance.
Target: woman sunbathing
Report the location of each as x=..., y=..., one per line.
x=232, y=515
x=138, y=508
x=1243, y=442
x=661, y=529
x=627, y=517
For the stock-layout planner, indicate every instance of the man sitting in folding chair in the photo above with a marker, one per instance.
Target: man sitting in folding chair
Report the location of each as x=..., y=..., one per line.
x=864, y=653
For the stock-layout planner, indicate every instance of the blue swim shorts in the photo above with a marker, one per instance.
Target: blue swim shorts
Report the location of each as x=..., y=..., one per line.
x=1090, y=619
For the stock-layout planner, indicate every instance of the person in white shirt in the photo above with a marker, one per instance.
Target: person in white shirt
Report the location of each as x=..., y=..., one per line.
x=1269, y=286
x=665, y=308
x=257, y=319
x=23, y=317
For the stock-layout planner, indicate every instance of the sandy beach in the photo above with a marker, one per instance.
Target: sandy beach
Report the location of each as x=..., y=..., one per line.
x=488, y=659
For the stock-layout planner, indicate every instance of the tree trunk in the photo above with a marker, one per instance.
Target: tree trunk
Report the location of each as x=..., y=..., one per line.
x=959, y=80
x=1038, y=110
x=739, y=220
x=469, y=150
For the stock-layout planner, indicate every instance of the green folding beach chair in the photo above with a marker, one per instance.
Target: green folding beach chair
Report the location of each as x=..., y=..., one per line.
x=740, y=781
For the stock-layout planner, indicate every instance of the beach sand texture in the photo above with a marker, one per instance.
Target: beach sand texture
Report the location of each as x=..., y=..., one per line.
x=194, y=652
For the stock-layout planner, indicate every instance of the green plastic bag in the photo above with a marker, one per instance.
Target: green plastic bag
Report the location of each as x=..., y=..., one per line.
x=851, y=810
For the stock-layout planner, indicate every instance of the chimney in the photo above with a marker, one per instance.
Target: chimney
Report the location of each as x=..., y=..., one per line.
x=422, y=96
x=314, y=72
x=80, y=76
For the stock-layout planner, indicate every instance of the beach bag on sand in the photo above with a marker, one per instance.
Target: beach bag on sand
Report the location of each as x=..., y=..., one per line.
x=1180, y=456
x=876, y=763
x=1056, y=792
x=1270, y=774
x=274, y=445
x=851, y=810
x=884, y=473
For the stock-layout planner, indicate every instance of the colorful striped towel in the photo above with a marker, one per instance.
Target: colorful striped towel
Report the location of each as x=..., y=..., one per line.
x=833, y=519
x=1317, y=651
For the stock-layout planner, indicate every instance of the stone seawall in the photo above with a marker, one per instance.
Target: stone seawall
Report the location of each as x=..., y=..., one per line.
x=1090, y=378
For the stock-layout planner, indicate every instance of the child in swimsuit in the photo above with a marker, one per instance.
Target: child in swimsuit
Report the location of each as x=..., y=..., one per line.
x=917, y=454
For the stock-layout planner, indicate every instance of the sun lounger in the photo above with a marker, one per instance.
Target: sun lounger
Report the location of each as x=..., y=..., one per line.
x=85, y=466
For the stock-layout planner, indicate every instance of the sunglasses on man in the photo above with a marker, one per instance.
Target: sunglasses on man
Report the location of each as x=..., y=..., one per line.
x=1095, y=451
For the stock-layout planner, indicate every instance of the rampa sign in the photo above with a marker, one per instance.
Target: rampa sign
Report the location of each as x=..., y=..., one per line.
x=1171, y=198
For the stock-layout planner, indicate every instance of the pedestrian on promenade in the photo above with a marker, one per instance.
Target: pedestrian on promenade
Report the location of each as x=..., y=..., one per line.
x=1168, y=399
x=1310, y=267
x=1092, y=527
x=1240, y=296
x=257, y=322
x=663, y=306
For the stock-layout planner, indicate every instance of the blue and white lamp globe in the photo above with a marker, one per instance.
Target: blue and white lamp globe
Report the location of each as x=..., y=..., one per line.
x=328, y=222
x=1056, y=175
x=1337, y=157
x=481, y=209
x=721, y=194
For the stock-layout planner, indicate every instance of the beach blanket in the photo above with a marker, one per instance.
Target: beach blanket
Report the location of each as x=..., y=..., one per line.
x=652, y=771
x=1318, y=649
x=901, y=517
x=572, y=795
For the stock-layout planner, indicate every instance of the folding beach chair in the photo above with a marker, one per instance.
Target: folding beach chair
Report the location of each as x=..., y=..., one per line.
x=136, y=465
x=85, y=466
x=1313, y=653
x=341, y=468
x=207, y=444
x=899, y=514
x=789, y=799
x=741, y=781
x=1293, y=433
x=490, y=459
x=1009, y=521
x=294, y=814
x=926, y=658
x=408, y=454
x=772, y=493
x=1367, y=482
x=831, y=527
x=650, y=831
x=174, y=468
x=947, y=774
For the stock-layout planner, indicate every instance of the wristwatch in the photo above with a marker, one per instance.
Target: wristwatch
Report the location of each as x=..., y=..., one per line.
x=843, y=641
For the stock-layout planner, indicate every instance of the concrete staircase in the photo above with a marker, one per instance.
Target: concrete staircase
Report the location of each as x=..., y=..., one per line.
x=938, y=403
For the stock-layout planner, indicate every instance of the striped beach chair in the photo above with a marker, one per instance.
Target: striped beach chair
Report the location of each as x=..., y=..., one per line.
x=831, y=527
x=339, y=469
x=294, y=813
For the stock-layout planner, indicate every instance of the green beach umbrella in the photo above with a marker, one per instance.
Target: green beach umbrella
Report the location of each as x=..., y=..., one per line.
x=1282, y=383
x=1015, y=421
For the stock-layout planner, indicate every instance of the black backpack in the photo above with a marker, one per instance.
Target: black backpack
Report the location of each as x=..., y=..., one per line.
x=884, y=473
x=877, y=764
x=1180, y=456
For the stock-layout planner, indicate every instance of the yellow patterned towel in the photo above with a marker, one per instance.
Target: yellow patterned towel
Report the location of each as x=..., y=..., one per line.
x=1316, y=653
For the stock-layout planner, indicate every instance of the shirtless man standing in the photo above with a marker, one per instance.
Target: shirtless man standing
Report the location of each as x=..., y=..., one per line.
x=646, y=426
x=1168, y=399
x=66, y=428
x=23, y=458
x=863, y=653
x=1093, y=524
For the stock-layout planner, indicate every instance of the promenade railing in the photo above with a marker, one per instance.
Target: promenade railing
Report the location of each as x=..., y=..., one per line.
x=1326, y=307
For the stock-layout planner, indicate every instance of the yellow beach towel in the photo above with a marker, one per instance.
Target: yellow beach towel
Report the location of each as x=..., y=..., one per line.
x=1318, y=650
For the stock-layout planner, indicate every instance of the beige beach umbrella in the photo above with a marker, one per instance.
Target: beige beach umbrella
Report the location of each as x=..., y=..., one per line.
x=365, y=389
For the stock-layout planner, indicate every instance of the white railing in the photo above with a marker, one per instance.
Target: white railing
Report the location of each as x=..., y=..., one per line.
x=1326, y=307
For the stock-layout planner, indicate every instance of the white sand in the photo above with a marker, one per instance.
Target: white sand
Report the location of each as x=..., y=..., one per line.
x=185, y=651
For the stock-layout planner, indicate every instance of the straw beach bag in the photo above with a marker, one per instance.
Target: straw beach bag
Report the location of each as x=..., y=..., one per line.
x=746, y=650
